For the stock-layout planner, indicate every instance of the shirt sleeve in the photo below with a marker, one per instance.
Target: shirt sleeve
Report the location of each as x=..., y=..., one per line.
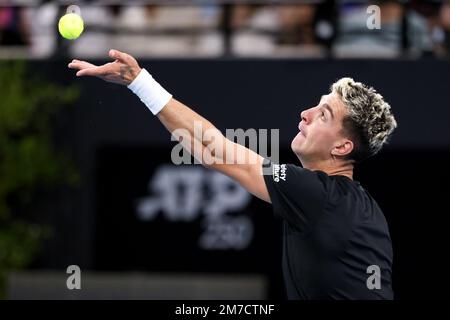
x=298, y=195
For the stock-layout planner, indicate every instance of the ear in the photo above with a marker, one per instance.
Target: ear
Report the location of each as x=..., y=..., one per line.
x=342, y=148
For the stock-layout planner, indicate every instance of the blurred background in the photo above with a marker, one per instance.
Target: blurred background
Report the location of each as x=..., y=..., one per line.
x=86, y=176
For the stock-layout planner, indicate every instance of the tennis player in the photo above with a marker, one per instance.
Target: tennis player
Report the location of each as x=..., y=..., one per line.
x=336, y=241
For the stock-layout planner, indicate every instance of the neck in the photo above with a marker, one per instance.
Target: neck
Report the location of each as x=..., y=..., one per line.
x=331, y=167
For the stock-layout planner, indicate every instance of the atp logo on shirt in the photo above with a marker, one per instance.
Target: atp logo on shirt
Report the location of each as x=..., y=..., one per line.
x=279, y=172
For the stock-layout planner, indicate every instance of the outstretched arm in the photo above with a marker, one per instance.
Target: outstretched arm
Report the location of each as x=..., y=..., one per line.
x=204, y=141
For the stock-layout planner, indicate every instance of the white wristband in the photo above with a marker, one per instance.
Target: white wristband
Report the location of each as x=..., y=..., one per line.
x=151, y=93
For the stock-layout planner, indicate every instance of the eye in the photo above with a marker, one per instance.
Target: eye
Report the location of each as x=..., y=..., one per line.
x=322, y=114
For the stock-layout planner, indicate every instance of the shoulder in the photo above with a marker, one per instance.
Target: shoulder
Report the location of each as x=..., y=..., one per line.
x=291, y=173
x=296, y=186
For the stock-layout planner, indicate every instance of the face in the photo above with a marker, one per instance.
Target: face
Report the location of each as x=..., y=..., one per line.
x=320, y=133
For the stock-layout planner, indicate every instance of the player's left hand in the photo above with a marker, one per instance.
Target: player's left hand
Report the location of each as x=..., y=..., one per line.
x=123, y=70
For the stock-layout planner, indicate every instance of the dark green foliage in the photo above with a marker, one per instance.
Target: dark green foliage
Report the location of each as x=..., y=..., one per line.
x=28, y=160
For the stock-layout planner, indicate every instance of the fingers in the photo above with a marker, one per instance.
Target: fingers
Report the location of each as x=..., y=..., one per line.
x=79, y=65
x=93, y=71
x=121, y=56
x=84, y=72
x=86, y=69
x=106, y=71
x=96, y=71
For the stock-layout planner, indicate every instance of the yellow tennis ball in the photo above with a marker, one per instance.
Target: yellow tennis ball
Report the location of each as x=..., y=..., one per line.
x=70, y=26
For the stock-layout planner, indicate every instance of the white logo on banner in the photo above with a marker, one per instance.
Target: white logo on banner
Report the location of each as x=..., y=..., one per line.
x=188, y=193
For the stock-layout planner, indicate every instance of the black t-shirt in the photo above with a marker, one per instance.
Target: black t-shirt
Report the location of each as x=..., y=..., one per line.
x=336, y=242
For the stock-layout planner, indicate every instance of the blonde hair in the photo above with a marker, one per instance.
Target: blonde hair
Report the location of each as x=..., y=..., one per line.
x=369, y=122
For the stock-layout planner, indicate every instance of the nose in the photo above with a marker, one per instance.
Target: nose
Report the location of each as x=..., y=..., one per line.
x=304, y=116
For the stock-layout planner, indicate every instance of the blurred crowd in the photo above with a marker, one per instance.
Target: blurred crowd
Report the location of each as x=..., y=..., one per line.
x=194, y=29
